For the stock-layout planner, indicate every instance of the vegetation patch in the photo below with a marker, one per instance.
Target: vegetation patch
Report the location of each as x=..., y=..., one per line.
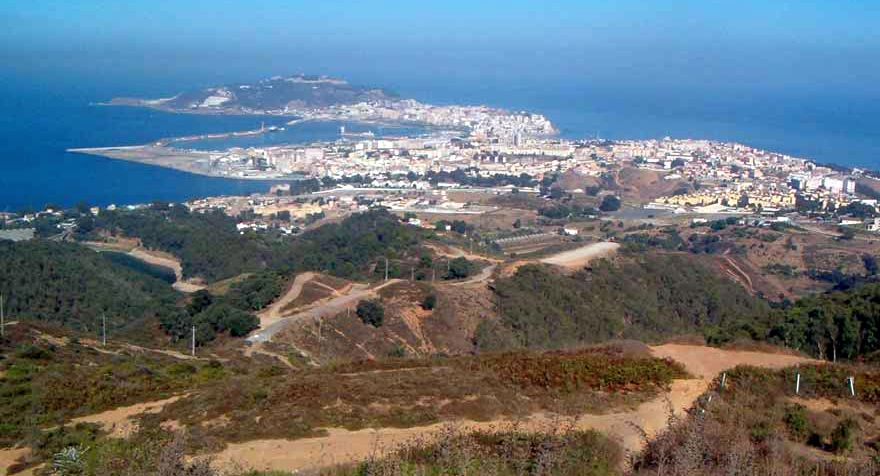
x=416, y=392
x=564, y=453
x=752, y=426
x=644, y=298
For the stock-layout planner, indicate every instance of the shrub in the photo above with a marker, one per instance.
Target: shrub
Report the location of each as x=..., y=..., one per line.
x=610, y=204
x=843, y=436
x=430, y=302
x=796, y=421
x=460, y=268
x=371, y=312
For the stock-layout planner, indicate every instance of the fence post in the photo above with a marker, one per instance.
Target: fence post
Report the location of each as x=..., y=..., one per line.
x=852, y=385
x=723, y=380
x=797, y=384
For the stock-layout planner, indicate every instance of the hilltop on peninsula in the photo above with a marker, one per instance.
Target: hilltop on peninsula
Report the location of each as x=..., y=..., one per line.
x=276, y=95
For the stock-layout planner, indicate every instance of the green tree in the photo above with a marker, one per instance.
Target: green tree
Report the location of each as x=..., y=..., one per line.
x=610, y=203
x=429, y=302
x=371, y=312
x=460, y=268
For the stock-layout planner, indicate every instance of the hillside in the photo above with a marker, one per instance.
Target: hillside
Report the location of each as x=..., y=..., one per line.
x=644, y=297
x=276, y=94
x=70, y=285
x=210, y=248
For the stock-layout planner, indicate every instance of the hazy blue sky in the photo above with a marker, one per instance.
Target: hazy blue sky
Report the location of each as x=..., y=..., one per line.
x=760, y=45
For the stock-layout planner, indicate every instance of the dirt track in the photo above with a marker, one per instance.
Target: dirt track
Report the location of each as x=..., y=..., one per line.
x=342, y=446
x=273, y=313
x=118, y=422
x=580, y=257
x=167, y=261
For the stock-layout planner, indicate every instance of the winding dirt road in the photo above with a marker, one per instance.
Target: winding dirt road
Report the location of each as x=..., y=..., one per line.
x=343, y=446
x=628, y=427
x=167, y=261
x=272, y=314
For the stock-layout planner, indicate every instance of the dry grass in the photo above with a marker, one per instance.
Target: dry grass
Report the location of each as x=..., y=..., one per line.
x=752, y=427
x=563, y=452
x=406, y=393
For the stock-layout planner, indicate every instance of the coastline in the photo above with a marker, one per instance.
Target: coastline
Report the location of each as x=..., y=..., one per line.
x=190, y=161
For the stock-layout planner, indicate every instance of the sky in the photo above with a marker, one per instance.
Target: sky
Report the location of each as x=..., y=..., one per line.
x=778, y=47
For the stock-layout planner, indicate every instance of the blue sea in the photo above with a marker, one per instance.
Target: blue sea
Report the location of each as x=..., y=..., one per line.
x=40, y=119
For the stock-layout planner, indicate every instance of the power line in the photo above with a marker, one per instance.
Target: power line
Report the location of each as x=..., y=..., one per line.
x=2, y=318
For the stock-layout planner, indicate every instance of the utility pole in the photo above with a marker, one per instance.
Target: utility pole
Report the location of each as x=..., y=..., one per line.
x=320, y=322
x=2, y=318
x=412, y=274
x=103, y=329
x=386, y=269
x=193, y=351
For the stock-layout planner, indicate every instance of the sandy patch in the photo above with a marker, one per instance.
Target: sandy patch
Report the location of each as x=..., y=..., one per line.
x=118, y=422
x=580, y=257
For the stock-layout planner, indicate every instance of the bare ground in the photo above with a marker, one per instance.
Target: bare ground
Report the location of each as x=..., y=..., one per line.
x=580, y=257
x=167, y=261
x=119, y=421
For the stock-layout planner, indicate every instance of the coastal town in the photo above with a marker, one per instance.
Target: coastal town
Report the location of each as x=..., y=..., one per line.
x=490, y=152
x=716, y=177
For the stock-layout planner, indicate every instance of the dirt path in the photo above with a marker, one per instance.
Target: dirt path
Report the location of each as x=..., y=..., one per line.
x=272, y=314
x=483, y=276
x=9, y=457
x=136, y=348
x=737, y=273
x=708, y=362
x=167, y=261
x=578, y=258
x=118, y=422
x=448, y=251
x=327, y=308
x=628, y=427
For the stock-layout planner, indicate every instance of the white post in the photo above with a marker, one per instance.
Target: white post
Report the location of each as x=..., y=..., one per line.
x=386, y=269
x=103, y=329
x=797, y=384
x=193, y=352
x=852, y=386
x=723, y=380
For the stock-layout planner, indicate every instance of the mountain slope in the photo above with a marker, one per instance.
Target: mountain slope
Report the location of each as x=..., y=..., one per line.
x=276, y=94
x=70, y=285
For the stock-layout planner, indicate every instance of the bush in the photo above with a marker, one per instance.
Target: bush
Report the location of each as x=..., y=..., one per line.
x=371, y=312
x=843, y=436
x=429, y=302
x=460, y=268
x=796, y=421
x=610, y=204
